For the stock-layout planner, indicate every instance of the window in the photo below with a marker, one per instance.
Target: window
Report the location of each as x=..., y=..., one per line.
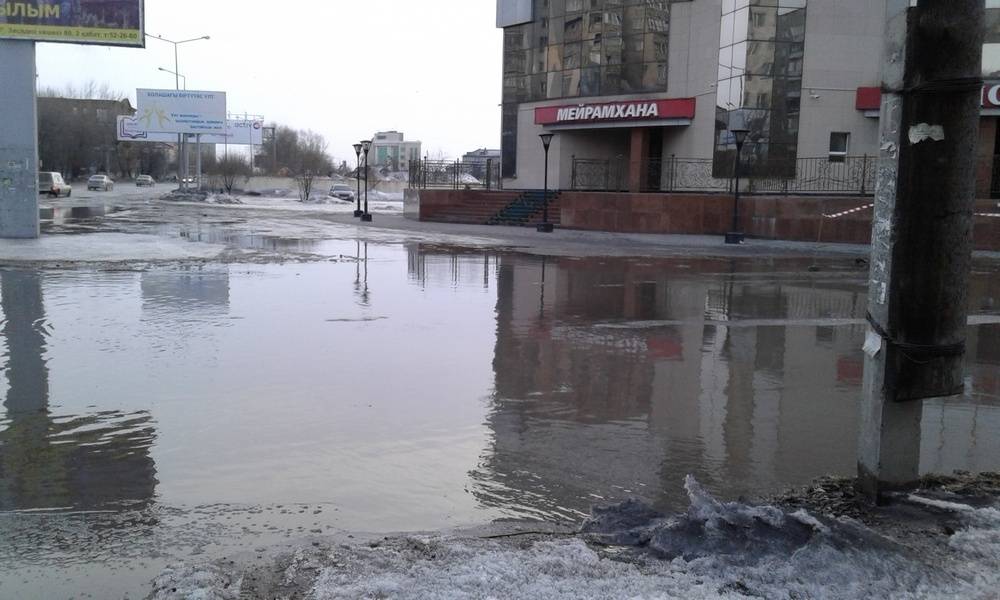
x=839, y=144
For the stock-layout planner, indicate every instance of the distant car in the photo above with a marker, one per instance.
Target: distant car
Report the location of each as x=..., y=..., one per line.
x=342, y=192
x=100, y=182
x=146, y=180
x=51, y=183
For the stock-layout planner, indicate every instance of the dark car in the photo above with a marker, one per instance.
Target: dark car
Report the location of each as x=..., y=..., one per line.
x=144, y=180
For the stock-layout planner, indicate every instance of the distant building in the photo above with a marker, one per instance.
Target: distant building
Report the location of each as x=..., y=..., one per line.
x=479, y=159
x=392, y=152
x=78, y=137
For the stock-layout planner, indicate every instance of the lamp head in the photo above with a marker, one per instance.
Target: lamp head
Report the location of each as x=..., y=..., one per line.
x=546, y=139
x=366, y=145
x=739, y=136
x=357, y=149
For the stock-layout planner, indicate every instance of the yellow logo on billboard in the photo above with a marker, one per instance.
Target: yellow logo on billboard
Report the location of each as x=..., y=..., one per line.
x=154, y=113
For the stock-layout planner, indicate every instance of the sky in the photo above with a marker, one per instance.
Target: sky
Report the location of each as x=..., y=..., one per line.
x=342, y=68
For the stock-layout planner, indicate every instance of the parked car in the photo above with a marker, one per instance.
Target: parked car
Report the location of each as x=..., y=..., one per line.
x=51, y=183
x=100, y=182
x=342, y=192
x=146, y=180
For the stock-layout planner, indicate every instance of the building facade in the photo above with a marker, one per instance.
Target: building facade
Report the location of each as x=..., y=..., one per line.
x=633, y=87
x=480, y=160
x=391, y=151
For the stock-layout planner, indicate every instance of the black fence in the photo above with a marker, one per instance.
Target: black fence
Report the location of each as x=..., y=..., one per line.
x=456, y=175
x=849, y=175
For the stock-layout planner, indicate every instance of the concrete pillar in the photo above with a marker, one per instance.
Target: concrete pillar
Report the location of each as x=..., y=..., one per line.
x=18, y=141
x=638, y=161
x=922, y=231
x=984, y=157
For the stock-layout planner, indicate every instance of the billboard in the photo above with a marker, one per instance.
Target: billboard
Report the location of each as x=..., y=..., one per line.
x=181, y=111
x=238, y=132
x=102, y=22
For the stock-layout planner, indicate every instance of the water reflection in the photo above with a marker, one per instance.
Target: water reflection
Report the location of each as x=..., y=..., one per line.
x=49, y=460
x=214, y=234
x=63, y=215
x=617, y=377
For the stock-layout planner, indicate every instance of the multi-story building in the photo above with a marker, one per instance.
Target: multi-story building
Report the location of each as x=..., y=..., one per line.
x=77, y=137
x=392, y=152
x=479, y=160
x=638, y=82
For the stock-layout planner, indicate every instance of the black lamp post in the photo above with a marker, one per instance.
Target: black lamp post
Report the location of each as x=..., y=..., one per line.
x=357, y=175
x=366, y=145
x=735, y=235
x=545, y=226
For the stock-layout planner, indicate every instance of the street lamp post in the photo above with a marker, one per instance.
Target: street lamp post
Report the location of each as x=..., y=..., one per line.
x=366, y=145
x=175, y=74
x=545, y=226
x=357, y=175
x=181, y=154
x=735, y=235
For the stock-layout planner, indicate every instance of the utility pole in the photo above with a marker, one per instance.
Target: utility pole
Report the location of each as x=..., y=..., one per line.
x=922, y=232
x=18, y=141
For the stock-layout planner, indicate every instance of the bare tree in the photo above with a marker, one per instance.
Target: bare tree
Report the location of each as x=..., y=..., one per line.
x=311, y=162
x=231, y=168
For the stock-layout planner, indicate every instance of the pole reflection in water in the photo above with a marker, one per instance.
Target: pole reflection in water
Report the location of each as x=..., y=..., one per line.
x=57, y=461
x=361, y=274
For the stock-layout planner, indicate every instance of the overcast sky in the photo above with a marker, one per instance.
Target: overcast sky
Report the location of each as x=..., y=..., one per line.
x=343, y=68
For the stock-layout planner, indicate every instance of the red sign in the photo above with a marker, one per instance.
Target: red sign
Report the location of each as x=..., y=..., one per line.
x=870, y=98
x=655, y=109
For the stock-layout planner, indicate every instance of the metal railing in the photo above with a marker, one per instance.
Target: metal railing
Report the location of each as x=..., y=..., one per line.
x=455, y=175
x=850, y=175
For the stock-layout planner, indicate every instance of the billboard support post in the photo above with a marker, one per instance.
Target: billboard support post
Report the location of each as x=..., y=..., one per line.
x=197, y=149
x=19, y=147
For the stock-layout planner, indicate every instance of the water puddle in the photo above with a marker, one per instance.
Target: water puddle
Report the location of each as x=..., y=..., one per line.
x=194, y=409
x=64, y=215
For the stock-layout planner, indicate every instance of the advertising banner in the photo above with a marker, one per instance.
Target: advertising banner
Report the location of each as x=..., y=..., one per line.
x=102, y=22
x=181, y=111
x=239, y=132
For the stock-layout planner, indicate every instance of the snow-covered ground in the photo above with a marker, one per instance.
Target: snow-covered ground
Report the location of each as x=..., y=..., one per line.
x=715, y=550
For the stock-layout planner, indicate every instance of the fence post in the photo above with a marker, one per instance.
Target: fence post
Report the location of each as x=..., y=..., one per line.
x=671, y=179
x=572, y=183
x=864, y=173
x=489, y=172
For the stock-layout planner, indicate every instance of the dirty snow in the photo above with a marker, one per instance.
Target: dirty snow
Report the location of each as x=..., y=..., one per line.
x=104, y=247
x=716, y=550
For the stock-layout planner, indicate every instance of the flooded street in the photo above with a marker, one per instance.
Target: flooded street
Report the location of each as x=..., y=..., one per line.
x=190, y=410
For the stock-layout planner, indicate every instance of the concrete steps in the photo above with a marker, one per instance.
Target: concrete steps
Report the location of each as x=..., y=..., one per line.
x=527, y=210
x=523, y=208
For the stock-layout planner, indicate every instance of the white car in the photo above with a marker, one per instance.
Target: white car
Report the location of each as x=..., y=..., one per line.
x=342, y=191
x=100, y=182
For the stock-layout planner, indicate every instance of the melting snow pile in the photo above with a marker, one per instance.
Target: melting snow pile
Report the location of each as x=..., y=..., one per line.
x=714, y=550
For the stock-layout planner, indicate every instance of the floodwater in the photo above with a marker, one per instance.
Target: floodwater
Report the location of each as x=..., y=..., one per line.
x=157, y=415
